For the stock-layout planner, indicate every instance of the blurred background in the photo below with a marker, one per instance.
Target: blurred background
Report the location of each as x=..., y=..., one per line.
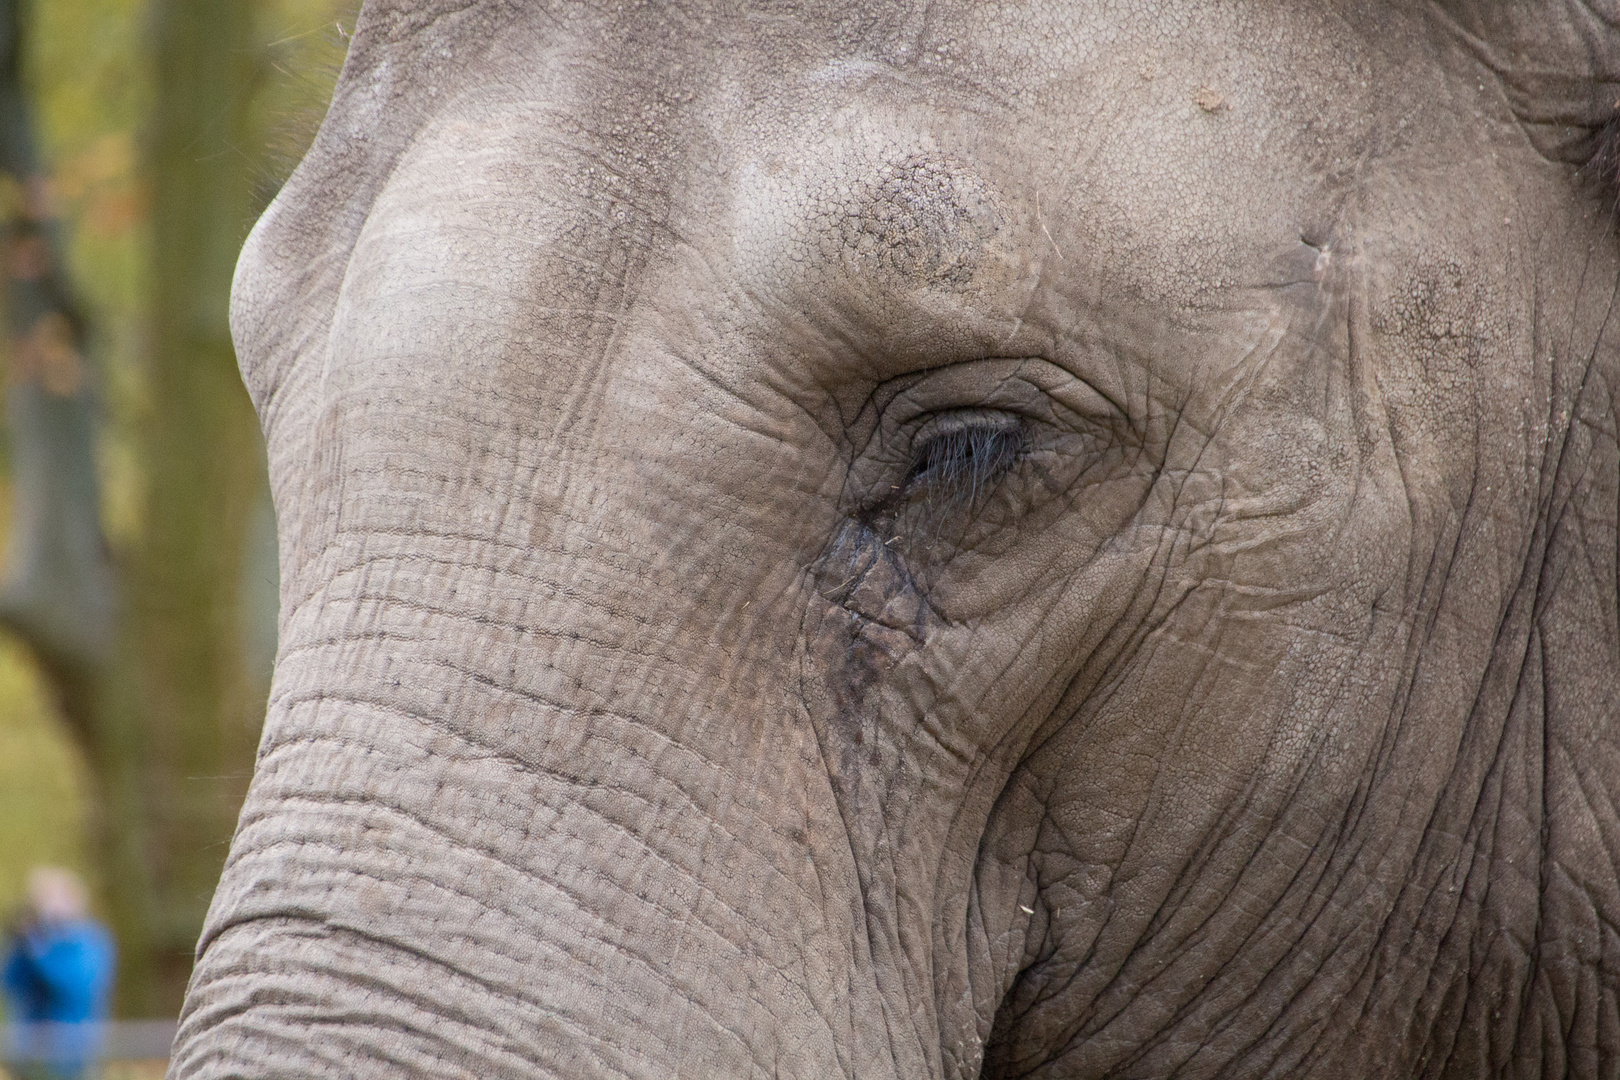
x=139, y=140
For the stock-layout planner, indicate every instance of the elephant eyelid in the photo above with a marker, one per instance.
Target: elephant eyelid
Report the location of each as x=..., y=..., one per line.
x=965, y=459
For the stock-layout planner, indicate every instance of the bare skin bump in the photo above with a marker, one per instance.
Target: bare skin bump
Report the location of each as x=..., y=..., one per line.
x=938, y=541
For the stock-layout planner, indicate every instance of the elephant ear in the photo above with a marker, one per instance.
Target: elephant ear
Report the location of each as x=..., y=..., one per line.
x=1559, y=64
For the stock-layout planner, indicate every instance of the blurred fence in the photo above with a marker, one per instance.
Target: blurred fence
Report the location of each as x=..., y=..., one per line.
x=127, y=1049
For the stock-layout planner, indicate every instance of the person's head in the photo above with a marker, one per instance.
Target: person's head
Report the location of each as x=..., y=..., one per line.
x=55, y=894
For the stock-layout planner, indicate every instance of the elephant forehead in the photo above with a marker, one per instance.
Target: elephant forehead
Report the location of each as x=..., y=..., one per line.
x=987, y=195
x=1157, y=150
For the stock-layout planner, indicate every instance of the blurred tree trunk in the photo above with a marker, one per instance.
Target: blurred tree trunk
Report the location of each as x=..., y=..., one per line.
x=203, y=458
x=150, y=668
x=59, y=592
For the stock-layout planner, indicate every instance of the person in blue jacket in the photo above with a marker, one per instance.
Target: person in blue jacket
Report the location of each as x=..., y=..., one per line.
x=57, y=975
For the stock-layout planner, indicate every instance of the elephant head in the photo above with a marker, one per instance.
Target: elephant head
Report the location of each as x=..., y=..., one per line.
x=1063, y=539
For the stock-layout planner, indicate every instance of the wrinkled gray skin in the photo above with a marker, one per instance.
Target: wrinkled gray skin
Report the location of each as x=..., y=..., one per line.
x=665, y=692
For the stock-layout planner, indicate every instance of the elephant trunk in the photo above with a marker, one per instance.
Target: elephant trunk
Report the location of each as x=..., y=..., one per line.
x=574, y=849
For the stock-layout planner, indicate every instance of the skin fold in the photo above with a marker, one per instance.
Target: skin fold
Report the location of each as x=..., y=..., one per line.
x=938, y=540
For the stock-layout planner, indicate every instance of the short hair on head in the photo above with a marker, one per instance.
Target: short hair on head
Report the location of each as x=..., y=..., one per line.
x=1603, y=167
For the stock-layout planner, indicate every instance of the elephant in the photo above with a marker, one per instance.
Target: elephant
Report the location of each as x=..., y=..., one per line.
x=1053, y=539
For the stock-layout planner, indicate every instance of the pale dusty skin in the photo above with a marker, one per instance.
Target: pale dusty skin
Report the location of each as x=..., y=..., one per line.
x=1066, y=539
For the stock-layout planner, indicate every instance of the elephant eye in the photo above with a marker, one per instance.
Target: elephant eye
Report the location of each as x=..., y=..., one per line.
x=962, y=456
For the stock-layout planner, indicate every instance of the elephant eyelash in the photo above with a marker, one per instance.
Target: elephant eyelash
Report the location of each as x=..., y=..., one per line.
x=966, y=459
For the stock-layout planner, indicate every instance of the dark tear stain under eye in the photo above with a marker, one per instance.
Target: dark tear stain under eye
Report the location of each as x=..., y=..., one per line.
x=875, y=615
x=863, y=575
